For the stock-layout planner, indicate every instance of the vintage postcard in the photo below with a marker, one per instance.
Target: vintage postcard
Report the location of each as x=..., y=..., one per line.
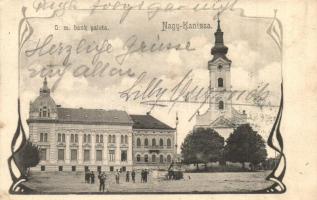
x=154, y=97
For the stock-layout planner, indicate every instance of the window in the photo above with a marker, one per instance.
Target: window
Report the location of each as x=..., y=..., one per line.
x=111, y=168
x=60, y=168
x=48, y=112
x=40, y=113
x=153, y=142
x=43, y=154
x=99, y=155
x=45, y=137
x=126, y=139
x=220, y=67
x=73, y=168
x=153, y=158
x=85, y=138
x=86, y=168
x=60, y=154
x=169, y=158
x=146, y=142
x=99, y=168
x=161, y=142
x=44, y=111
x=122, y=139
x=59, y=138
x=72, y=138
x=76, y=138
x=220, y=82
x=161, y=159
x=113, y=139
x=109, y=139
x=97, y=138
x=42, y=168
x=111, y=155
x=41, y=137
x=146, y=158
x=101, y=138
x=124, y=169
x=138, y=142
x=89, y=138
x=138, y=158
x=220, y=105
x=73, y=154
x=63, y=137
x=123, y=155
x=169, y=144
x=86, y=155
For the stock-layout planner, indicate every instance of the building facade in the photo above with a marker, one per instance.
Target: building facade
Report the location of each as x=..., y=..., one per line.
x=77, y=139
x=221, y=115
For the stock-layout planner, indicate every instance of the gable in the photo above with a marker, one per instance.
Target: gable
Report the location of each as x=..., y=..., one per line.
x=222, y=122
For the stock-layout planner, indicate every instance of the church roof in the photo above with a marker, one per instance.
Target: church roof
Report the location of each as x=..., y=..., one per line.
x=92, y=116
x=148, y=122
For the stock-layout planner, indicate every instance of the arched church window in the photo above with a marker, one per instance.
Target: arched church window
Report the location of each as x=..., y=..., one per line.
x=153, y=142
x=169, y=144
x=161, y=142
x=169, y=158
x=220, y=105
x=146, y=142
x=220, y=82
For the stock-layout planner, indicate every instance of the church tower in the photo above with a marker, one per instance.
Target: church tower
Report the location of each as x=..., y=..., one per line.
x=220, y=115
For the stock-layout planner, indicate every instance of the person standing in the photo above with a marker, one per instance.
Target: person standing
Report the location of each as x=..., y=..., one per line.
x=92, y=177
x=127, y=176
x=133, y=176
x=102, y=179
x=117, y=177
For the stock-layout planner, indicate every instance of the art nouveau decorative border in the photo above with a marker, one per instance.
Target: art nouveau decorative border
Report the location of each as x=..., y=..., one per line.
x=275, y=140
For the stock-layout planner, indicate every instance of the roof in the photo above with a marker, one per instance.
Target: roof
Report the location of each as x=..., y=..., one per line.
x=148, y=122
x=93, y=116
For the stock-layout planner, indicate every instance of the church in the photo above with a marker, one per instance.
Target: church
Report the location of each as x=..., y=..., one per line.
x=220, y=115
x=79, y=139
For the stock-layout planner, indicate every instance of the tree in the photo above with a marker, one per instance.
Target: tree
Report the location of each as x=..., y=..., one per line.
x=27, y=157
x=245, y=145
x=202, y=146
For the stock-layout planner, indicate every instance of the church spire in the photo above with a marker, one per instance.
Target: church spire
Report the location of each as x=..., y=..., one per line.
x=44, y=90
x=219, y=49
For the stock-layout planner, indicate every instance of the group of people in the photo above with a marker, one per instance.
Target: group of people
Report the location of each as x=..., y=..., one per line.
x=89, y=177
x=144, y=175
x=102, y=176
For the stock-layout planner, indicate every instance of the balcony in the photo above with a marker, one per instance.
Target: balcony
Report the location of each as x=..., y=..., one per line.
x=99, y=145
x=61, y=144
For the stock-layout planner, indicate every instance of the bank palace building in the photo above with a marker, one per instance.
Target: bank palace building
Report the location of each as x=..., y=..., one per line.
x=77, y=139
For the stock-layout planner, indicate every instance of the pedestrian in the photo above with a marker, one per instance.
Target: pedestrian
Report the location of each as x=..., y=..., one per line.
x=127, y=176
x=133, y=176
x=92, y=177
x=117, y=177
x=87, y=175
x=142, y=176
x=145, y=175
x=102, y=179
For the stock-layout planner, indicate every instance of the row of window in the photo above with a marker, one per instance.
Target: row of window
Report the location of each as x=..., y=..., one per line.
x=161, y=142
x=74, y=155
x=161, y=158
x=87, y=138
x=61, y=168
